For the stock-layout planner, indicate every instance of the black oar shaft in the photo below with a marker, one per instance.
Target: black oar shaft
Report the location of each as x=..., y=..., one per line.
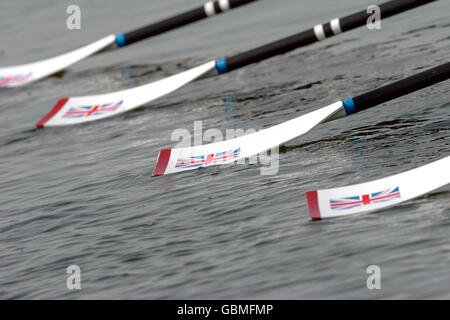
x=399, y=88
x=387, y=9
x=319, y=32
x=209, y=9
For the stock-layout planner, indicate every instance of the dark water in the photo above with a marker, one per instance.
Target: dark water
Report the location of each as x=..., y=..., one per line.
x=84, y=195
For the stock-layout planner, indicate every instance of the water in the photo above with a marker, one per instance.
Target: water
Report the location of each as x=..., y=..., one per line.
x=84, y=195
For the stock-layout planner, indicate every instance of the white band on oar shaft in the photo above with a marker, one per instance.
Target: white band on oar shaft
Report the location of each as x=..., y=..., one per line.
x=224, y=5
x=336, y=26
x=319, y=32
x=332, y=28
x=210, y=10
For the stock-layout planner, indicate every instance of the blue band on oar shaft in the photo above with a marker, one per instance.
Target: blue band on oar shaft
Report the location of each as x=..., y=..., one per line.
x=349, y=106
x=221, y=66
x=120, y=40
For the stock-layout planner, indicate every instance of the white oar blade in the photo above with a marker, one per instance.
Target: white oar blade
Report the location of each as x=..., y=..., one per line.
x=23, y=74
x=75, y=110
x=183, y=159
x=380, y=193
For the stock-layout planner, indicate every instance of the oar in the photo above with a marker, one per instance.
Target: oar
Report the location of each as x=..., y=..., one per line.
x=183, y=159
x=378, y=194
x=23, y=74
x=76, y=110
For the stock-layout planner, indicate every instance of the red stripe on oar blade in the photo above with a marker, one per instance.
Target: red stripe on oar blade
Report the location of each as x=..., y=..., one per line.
x=313, y=205
x=161, y=164
x=48, y=116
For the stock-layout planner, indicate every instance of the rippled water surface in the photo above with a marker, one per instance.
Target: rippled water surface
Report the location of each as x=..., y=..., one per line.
x=84, y=194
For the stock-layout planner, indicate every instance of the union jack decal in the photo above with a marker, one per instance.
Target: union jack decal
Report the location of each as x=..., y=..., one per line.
x=366, y=199
x=96, y=110
x=200, y=161
x=9, y=80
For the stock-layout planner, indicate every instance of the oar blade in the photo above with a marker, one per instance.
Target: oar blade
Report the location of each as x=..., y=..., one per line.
x=20, y=75
x=76, y=110
x=219, y=153
x=378, y=194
